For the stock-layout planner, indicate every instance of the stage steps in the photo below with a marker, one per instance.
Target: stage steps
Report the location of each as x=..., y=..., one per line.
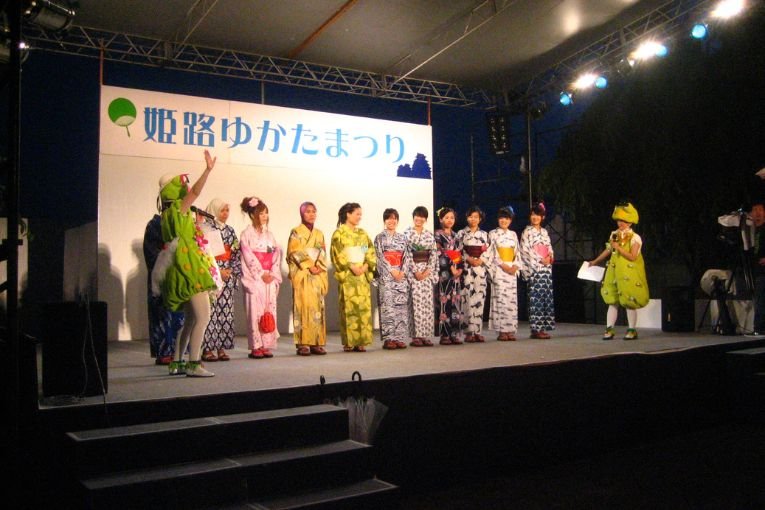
x=290, y=458
x=746, y=375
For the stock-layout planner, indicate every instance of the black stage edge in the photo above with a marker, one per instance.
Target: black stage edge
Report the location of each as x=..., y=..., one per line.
x=442, y=428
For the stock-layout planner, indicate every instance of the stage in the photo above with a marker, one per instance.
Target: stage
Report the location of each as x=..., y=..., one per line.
x=132, y=375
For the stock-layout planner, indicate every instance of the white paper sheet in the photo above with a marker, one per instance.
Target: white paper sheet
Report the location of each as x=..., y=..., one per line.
x=591, y=273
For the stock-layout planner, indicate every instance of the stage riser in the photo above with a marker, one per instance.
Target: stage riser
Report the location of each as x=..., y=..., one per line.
x=443, y=428
x=244, y=480
x=195, y=439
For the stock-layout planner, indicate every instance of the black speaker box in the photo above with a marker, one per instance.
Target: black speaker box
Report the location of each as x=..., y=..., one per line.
x=71, y=364
x=678, y=309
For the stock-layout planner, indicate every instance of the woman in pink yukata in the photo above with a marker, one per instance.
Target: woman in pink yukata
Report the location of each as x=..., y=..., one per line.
x=261, y=277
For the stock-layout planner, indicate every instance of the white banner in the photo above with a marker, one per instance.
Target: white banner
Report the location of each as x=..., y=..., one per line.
x=168, y=126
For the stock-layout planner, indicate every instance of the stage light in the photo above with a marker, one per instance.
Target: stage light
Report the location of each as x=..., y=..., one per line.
x=601, y=82
x=699, y=31
x=566, y=98
x=728, y=8
x=585, y=81
x=5, y=51
x=51, y=15
x=624, y=66
x=648, y=50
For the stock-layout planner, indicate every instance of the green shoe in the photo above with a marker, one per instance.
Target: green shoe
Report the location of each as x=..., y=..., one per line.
x=195, y=369
x=609, y=334
x=631, y=334
x=177, y=368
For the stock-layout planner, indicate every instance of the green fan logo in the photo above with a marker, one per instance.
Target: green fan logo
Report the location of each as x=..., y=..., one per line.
x=122, y=112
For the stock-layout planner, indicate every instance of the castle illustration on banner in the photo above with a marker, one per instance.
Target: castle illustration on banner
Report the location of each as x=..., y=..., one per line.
x=420, y=168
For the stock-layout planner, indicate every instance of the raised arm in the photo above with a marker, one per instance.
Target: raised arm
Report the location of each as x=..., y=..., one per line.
x=198, y=186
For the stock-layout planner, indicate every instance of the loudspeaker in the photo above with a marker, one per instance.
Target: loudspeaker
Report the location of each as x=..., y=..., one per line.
x=71, y=365
x=498, y=125
x=678, y=309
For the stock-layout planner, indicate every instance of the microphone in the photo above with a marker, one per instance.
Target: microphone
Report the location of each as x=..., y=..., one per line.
x=197, y=210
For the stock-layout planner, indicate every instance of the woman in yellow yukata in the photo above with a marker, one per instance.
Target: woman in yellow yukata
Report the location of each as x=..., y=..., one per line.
x=353, y=256
x=306, y=258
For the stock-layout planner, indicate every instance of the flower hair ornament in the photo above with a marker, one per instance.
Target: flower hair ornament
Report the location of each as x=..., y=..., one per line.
x=254, y=201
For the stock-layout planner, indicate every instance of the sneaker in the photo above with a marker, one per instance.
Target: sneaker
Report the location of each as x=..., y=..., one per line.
x=755, y=334
x=176, y=368
x=631, y=334
x=195, y=369
x=609, y=334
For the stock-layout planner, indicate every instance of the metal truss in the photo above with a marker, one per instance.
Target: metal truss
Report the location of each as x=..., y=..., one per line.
x=449, y=34
x=606, y=53
x=139, y=50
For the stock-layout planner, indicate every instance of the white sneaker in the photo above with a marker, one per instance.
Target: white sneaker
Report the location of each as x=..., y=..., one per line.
x=195, y=369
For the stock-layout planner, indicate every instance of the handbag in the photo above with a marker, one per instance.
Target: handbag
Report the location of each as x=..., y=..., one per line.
x=267, y=323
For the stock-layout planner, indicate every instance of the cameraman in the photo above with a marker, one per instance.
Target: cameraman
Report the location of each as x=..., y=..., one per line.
x=758, y=266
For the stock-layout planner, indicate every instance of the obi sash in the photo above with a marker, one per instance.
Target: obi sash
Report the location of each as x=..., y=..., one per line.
x=224, y=257
x=420, y=256
x=542, y=250
x=507, y=254
x=266, y=259
x=474, y=251
x=313, y=254
x=354, y=254
x=454, y=255
x=393, y=257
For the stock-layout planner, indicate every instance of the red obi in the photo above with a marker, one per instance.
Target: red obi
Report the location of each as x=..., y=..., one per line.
x=393, y=257
x=266, y=259
x=224, y=257
x=421, y=256
x=454, y=255
x=475, y=251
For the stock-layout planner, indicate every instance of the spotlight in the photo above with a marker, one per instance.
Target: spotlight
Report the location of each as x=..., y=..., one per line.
x=624, y=66
x=649, y=49
x=51, y=15
x=585, y=81
x=727, y=9
x=5, y=51
x=601, y=82
x=699, y=31
x=566, y=98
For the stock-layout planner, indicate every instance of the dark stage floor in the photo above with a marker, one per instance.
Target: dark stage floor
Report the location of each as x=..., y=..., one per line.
x=132, y=376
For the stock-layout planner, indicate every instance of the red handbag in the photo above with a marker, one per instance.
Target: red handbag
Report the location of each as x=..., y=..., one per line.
x=266, y=323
